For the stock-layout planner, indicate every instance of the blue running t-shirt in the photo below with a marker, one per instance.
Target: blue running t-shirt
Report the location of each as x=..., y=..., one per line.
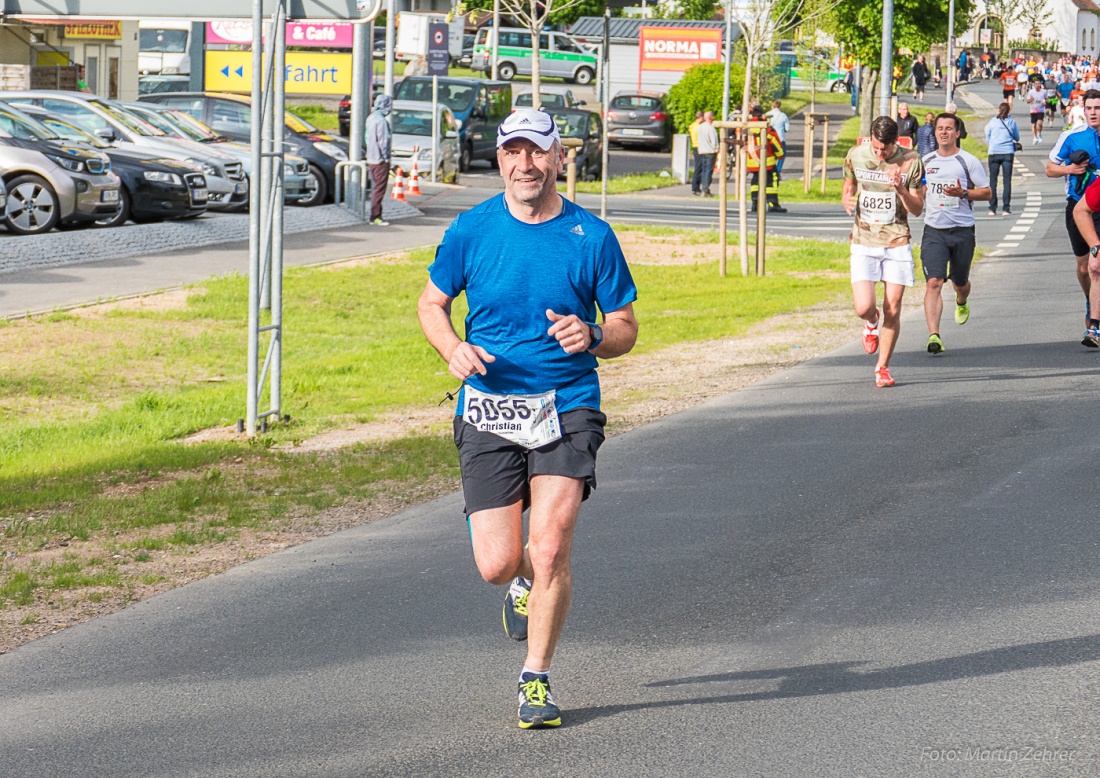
x=512, y=272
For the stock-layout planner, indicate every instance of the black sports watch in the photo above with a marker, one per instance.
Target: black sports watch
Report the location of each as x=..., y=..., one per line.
x=1095, y=251
x=595, y=335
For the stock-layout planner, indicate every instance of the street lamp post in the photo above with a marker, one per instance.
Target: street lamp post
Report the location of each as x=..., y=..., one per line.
x=887, y=63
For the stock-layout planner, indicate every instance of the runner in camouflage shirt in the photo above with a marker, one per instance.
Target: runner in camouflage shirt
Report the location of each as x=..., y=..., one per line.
x=883, y=185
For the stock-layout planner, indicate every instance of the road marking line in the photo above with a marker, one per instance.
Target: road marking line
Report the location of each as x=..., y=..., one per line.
x=1008, y=245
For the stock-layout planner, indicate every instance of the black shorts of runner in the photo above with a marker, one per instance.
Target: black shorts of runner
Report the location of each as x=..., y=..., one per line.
x=497, y=473
x=1036, y=116
x=1079, y=245
x=1007, y=93
x=952, y=247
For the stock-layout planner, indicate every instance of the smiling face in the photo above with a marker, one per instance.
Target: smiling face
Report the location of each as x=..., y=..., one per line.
x=530, y=173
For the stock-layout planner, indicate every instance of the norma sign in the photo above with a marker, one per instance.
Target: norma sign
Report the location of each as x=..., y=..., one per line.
x=675, y=48
x=439, y=56
x=306, y=72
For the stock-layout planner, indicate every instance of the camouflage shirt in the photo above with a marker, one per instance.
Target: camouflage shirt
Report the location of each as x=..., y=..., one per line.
x=881, y=218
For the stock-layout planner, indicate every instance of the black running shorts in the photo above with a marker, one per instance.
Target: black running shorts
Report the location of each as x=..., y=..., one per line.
x=496, y=472
x=1080, y=245
x=1036, y=116
x=952, y=247
x=1007, y=93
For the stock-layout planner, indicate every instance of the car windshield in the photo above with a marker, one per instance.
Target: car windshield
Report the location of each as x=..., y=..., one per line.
x=164, y=41
x=192, y=126
x=571, y=125
x=156, y=120
x=549, y=99
x=68, y=131
x=127, y=119
x=636, y=103
x=457, y=97
x=412, y=122
x=19, y=126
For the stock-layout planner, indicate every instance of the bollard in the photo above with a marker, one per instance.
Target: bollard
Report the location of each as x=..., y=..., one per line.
x=571, y=145
x=808, y=154
x=824, y=153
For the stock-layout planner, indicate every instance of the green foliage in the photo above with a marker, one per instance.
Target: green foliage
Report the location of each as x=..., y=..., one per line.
x=687, y=9
x=917, y=25
x=701, y=90
x=574, y=12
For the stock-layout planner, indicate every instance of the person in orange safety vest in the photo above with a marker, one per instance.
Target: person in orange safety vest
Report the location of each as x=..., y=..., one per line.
x=773, y=153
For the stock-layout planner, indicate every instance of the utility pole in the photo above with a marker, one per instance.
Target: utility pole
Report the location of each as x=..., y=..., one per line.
x=950, y=50
x=886, y=68
x=729, y=56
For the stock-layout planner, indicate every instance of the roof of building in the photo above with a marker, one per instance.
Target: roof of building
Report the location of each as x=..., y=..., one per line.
x=626, y=29
x=1087, y=5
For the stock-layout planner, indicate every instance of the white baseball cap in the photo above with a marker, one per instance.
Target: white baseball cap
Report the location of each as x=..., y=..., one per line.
x=534, y=125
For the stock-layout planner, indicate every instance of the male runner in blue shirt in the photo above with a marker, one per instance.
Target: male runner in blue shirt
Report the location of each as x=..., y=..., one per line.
x=534, y=268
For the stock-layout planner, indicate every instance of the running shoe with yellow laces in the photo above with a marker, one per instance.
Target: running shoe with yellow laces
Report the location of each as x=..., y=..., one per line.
x=515, y=609
x=883, y=377
x=962, y=312
x=536, y=703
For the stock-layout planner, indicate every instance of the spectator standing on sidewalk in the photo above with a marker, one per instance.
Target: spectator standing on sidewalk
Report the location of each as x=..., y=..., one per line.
x=907, y=123
x=708, y=151
x=781, y=123
x=926, y=135
x=378, y=139
x=697, y=169
x=1001, y=136
x=920, y=75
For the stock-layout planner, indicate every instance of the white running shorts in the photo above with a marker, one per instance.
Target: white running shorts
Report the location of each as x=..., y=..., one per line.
x=891, y=265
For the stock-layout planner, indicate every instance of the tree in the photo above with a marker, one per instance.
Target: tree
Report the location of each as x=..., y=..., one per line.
x=1035, y=14
x=686, y=9
x=857, y=24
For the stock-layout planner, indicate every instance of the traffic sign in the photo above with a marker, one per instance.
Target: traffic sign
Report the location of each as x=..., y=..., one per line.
x=307, y=73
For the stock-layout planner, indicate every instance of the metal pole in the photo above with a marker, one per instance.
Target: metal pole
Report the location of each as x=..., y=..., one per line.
x=723, y=188
x=729, y=57
x=276, y=203
x=254, y=220
x=360, y=61
x=761, y=197
x=435, y=122
x=950, y=50
x=824, y=152
x=807, y=153
x=607, y=97
x=390, y=22
x=496, y=39
x=887, y=61
x=267, y=136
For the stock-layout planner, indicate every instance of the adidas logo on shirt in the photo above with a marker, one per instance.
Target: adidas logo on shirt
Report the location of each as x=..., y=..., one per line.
x=577, y=230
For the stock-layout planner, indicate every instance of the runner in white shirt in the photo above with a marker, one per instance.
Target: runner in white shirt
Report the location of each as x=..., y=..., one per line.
x=1037, y=99
x=954, y=180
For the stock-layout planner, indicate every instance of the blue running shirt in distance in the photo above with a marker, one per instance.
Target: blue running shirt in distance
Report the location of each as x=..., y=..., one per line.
x=511, y=273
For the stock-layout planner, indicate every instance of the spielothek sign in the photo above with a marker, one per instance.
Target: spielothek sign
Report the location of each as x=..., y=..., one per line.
x=677, y=49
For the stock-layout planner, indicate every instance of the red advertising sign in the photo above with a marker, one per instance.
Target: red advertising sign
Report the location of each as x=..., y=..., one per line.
x=675, y=48
x=329, y=35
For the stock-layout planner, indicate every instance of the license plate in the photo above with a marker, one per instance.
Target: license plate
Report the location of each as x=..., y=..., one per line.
x=109, y=196
x=199, y=195
x=633, y=132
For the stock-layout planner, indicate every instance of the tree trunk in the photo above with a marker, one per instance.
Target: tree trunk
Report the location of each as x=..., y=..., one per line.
x=867, y=101
x=536, y=71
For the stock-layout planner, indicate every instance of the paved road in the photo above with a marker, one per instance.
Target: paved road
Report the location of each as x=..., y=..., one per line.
x=809, y=577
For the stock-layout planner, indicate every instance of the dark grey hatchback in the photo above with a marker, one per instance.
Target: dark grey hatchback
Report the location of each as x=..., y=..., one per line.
x=639, y=119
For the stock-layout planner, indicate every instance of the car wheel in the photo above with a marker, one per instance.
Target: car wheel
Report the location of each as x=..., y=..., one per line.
x=584, y=76
x=121, y=215
x=33, y=207
x=317, y=196
x=506, y=71
x=464, y=157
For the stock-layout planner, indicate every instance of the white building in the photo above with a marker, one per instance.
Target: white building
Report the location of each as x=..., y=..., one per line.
x=1074, y=28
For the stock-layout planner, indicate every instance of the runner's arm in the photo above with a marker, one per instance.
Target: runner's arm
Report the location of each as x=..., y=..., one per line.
x=1082, y=217
x=848, y=195
x=912, y=199
x=434, y=311
x=620, y=332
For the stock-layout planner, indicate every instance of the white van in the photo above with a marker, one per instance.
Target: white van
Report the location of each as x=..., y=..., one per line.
x=164, y=45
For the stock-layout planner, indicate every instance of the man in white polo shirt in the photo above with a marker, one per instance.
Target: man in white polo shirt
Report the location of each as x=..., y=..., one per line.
x=954, y=179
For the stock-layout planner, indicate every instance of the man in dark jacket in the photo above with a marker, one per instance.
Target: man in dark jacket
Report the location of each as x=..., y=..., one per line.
x=907, y=124
x=920, y=75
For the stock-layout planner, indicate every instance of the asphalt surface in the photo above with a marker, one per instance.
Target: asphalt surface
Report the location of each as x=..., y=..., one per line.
x=808, y=577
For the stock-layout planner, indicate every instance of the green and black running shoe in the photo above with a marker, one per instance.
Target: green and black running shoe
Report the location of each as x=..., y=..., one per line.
x=515, y=609
x=536, y=703
x=962, y=312
x=935, y=344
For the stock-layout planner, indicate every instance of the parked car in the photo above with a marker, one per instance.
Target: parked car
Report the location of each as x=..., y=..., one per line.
x=50, y=183
x=478, y=105
x=586, y=126
x=412, y=129
x=225, y=179
x=550, y=97
x=343, y=112
x=639, y=119
x=231, y=115
x=152, y=188
x=298, y=182
x=559, y=55
x=466, y=58
x=148, y=85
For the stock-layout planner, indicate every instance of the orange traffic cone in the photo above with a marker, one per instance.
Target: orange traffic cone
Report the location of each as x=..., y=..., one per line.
x=414, y=185
x=399, y=187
